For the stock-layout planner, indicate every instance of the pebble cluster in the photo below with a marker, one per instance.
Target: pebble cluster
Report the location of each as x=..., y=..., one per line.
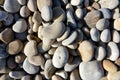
x=59, y=39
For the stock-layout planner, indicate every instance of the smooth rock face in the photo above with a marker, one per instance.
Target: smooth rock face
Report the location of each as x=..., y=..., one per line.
x=46, y=13
x=113, y=51
x=60, y=57
x=29, y=68
x=109, y=66
x=16, y=74
x=109, y=4
x=86, y=50
x=91, y=70
x=11, y=6
x=30, y=48
x=75, y=75
x=20, y=26
x=91, y=18
x=117, y=24
x=105, y=35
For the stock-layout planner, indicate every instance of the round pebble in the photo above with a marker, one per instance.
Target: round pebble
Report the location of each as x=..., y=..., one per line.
x=5, y=77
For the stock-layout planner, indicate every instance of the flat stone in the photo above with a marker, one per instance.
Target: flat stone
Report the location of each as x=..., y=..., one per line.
x=117, y=24
x=32, y=5
x=60, y=57
x=20, y=26
x=17, y=74
x=24, y=11
x=11, y=6
x=109, y=66
x=14, y=47
x=91, y=70
x=30, y=48
x=75, y=75
x=91, y=18
x=29, y=68
x=86, y=50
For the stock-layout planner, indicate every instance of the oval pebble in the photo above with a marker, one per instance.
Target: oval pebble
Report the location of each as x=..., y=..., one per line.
x=20, y=26
x=79, y=13
x=22, y=2
x=38, y=77
x=24, y=11
x=29, y=68
x=105, y=35
x=60, y=57
x=20, y=58
x=116, y=36
x=32, y=5
x=114, y=76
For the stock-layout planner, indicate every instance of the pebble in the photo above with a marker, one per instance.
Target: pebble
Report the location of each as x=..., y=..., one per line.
x=70, y=39
x=100, y=53
x=109, y=4
x=2, y=65
x=24, y=11
x=11, y=63
x=7, y=35
x=9, y=20
x=17, y=74
x=21, y=36
x=117, y=24
x=30, y=48
x=3, y=53
x=26, y=77
x=29, y=68
x=22, y=2
x=86, y=50
x=116, y=13
x=14, y=47
x=62, y=74
x=106, y=13
x=75, y=75
x=114, y=76
x=3, y=15
x=70, y=66
x=79, y=13
x=38, y=77
x=60, y=57
x=95, y=5
x=109, y=66
x=91, y=70
x=92, y=18
x=46, y=13
x=95, y=34
x=36, y=60
x=5, y=77
x=56, y=77
x=11, y=6
x=32, y=5
x=54, y=31
x=116, y=36
x=105, y=35
x=102, y=24
x=49, y=69
x=20, y=26
x=113, y=51
x=20, y=58
x=58, y=14
x=76, y=2
x=117, y=61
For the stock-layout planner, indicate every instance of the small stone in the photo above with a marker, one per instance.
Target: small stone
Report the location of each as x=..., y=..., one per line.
x=24, y=11
x=46, y=13
x=86, y=50
x=76, y=2
x=5, y=77
x=20, y=26
x=100, y=53
x=58, y=14
x=38, y=77
x=49, y=69
x=116, y=13
x=62, y=74
x=14, y=47
x=11, y=63
x=51, y=51
x=56, y=77
x=79, y=13
x=30, y=48
x=17, y=74
x=96, y=5
x=117, y=61
x=3, y=15
x=32, y=5
x=60, y=57
x=20, y=58
x=69, y=7
x=113, y=51
x=7, y=35
x=75, y=75
x=92, y=18
x=11, y=6
x=116, y=36
x=9, y=20
x=105, y=35
x=26, y=77
x=91, y=70
x=109, y=66
x=36, y=60
x=95, y=34
x=29, y=68
x=114, y=76
x=109, y=4
x=117, y=24
x=102, y=24
x=22, y=2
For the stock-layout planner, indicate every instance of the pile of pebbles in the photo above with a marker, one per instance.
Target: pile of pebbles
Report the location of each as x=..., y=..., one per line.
x=59, y=39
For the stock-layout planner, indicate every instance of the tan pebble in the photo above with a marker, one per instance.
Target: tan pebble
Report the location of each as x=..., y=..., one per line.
x=109, y=66
x=14, y=47
x=114, y=76
x=33, y=37
x=32, y=5
x=117, y=62
x=75, y=75
x=38, y=77
x=36, y=60
x=86, y=50
x=117, y=24
x=96, y=5
x=5, y=77
x=104, y=78
x=24, y=11
x=56, y=77
x=20, y=58
x=7, y=35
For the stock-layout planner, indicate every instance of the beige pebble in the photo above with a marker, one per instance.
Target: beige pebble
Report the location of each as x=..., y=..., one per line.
x=117, y=24
x=109, y=66
x=26, y=77
x=35, y=27
x=40, y=32
x=52, y=51
x=24, y=11
x=32, y=5
x=114, y=76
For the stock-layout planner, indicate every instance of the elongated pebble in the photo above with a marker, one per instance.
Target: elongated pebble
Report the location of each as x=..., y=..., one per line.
x=32, y=5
